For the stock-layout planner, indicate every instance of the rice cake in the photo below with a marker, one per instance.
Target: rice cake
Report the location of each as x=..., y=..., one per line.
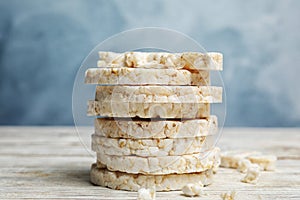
x=148, y=110
x=139, y=129
x=159, y=94
x=151, y=147
x=161, y=60
x=140, y=76
x=133, y=182
x=161, y=165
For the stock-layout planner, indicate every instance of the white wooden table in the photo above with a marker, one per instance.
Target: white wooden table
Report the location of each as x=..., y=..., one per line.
x=51, y=163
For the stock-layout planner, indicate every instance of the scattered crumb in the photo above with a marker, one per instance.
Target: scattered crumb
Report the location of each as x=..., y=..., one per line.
x=146, y=194
x=243, y=165
x=192, y=190
x=228, y=195
x=252, y=175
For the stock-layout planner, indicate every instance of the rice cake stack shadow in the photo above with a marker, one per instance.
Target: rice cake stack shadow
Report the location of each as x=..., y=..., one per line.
x=153, y=125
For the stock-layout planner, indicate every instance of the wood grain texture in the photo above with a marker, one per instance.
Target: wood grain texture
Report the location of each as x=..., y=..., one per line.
x=51, y=163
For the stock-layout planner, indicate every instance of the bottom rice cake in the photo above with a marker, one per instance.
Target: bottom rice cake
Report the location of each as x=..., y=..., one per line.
x=155, y=129
x=151, y=147
x=148, y=110
x=133, y=182
x=161, y=165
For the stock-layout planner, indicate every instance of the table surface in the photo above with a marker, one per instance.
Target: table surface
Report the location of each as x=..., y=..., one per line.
x=51, y=163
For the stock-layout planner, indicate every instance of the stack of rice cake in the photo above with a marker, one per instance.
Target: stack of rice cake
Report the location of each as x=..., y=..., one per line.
x=154, y=127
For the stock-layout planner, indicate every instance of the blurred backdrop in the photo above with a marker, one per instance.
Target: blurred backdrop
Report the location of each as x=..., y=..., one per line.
x=43, y=42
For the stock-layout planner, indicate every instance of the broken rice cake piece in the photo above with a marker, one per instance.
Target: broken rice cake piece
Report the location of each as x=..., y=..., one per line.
x=243, y=165
x=228, y=195
x=252, y=175
x=231, y=159
x=266, y=162
x=146, y=194
x=193, y=189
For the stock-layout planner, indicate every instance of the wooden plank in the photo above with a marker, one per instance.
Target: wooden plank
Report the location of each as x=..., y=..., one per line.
x=51, y=163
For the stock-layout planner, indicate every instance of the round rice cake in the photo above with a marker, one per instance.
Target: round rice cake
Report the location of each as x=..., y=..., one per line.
x=140, y=129
x=151, y=147
x=159, y=94
x=133, y=182
x=161, y=60
x=161, y=165
x=140, y=76
x=148, y=110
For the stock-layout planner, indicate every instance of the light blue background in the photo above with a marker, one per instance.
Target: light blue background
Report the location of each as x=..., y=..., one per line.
x=43, y=42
